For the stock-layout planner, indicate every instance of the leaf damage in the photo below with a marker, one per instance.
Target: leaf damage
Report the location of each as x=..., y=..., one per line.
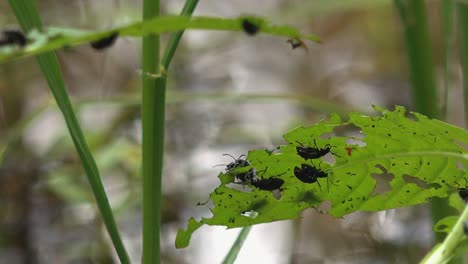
x=420, y=158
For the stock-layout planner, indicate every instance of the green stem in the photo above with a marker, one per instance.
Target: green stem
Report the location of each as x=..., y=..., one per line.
x=152, y=110
x=447, y=32
x=446, y=250
x=175, y=37
x=232, y=255
x=419, y=52
x=28, y=17
x=463, y=27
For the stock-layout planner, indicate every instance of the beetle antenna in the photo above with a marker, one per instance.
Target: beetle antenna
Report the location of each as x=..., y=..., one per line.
x=243, y=155
x=225, y=154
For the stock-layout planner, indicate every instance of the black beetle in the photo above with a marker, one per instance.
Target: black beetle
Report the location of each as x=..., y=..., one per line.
x=239, y=163
x=311, y=152
x=268, y=184
x=249, y=27
x=309, y=174
x=105, y=42
x=13, y=37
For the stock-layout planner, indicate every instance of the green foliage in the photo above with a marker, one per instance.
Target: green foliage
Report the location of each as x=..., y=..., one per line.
x=55, y=38
x=423, y=158
x=28, y=17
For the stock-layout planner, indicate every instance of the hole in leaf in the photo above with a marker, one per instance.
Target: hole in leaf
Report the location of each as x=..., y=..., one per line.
x=277, y=194
x=240, y=187
x=382, y=181
x=411, y=179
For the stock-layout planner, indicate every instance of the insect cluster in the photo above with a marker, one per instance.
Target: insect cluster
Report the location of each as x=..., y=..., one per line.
x=305, y=173
x=251, y=177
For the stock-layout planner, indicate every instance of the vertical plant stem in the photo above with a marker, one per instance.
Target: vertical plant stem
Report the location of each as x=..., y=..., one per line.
x=447, y=33
x=462, y=9
x=28, y=17
x=419, y=53
x=152, y=111
x=232, y=255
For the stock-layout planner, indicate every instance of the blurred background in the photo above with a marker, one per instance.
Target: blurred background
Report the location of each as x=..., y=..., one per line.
x=228, y=93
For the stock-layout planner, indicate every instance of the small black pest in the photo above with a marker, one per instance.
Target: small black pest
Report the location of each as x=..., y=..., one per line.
x=239, y=163
x=12, y=37
x=297, y=43
x=311, y=152
x=465, y=228
x=309, y=174
x=268, y=184
x=105, y=42
x=249, y=27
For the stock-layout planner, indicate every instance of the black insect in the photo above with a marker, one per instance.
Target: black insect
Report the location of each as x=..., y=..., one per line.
x=465, y=228
x=311, y=152
x=297, y=43
x=239, y=162
x=105, y=42
x=12, y=37
x=269, y=184
x=249, y=27
x=309, y=174
x=243, y=177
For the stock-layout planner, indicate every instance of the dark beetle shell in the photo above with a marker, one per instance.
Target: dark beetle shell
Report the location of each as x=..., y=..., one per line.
x=309, y=174
x=13, y=37
x=105, y=42
x=311, y=152
x=249, y=27
x=269, y=184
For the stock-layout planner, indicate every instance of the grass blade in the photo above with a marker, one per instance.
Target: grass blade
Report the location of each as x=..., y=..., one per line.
x=188, y=9
x=28, y=17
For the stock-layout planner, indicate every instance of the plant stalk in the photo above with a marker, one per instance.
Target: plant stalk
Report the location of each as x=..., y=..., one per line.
x=152, y=111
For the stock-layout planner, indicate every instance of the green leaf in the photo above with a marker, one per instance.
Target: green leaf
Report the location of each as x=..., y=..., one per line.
x=55, y=38
x=423, y=157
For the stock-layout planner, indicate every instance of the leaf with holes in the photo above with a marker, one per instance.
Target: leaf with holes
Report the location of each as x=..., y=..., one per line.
x=417, y=158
